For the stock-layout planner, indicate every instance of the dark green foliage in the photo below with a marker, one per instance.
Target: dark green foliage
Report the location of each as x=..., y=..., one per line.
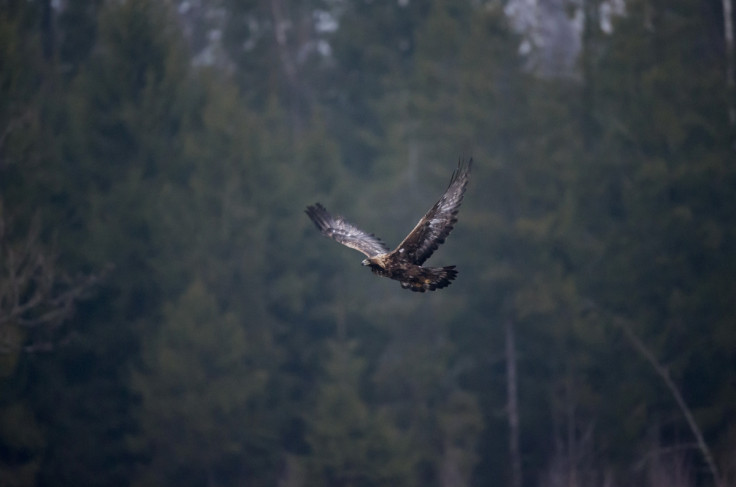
x=668, y=191
x=203, y=398
x=352, y=443
x=230, y=344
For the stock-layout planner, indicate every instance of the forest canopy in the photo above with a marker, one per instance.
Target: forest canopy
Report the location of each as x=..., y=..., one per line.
x=169, y=315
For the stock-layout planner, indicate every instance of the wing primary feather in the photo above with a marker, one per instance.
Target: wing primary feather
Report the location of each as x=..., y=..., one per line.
x=438, y=222
x=338, y=229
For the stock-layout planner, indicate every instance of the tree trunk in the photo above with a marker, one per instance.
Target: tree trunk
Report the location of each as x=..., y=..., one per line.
x=591, y=20
x=512, y=405
x=665, y=375
x=730, y=74
x=47, y=29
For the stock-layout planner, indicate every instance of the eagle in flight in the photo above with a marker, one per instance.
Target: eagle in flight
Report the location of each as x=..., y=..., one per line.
x=404, y=263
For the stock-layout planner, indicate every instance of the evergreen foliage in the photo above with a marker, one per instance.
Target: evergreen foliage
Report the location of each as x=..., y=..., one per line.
x=224, y=342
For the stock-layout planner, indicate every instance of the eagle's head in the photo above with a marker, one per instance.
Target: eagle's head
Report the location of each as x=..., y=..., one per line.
x=366, y=262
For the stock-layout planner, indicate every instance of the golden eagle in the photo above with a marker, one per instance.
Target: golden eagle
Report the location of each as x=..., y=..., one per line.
x=404, y=264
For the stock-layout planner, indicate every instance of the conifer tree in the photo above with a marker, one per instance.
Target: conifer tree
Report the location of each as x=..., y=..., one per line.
x=656, y=205
x=351, y=442
x=203, y=414
x=114, y=141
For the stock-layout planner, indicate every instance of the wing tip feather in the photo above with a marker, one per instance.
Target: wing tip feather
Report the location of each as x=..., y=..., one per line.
x=464, y=166
x=319, y=216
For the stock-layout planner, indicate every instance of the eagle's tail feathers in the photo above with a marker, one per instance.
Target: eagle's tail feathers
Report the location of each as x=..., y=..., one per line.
x=431, y=278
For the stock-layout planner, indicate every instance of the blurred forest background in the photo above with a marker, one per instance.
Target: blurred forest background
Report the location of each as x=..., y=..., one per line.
x=169, y=315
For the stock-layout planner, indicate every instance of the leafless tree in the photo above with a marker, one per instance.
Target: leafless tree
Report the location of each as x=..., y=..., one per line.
x=663, y=372
x=35, y=296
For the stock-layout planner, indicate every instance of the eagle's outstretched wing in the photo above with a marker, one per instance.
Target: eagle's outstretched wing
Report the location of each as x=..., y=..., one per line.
x=337, y=228
x=436, y=225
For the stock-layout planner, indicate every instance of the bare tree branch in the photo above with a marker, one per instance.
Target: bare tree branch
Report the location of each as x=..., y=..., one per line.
x=663, y=372
x=34, y=296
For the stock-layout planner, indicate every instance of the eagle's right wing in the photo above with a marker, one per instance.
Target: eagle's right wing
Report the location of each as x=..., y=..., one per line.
x=338, y=229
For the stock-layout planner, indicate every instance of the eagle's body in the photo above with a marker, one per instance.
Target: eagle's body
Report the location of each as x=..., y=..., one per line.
x=404, y=264
x=411, y=276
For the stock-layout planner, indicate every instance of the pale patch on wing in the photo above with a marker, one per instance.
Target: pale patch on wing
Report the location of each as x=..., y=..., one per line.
x=436, y=225
x=344, y=232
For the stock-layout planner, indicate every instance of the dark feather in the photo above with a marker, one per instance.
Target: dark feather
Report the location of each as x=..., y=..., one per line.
x=347, y=234
x=423, y=279
x=436, y=225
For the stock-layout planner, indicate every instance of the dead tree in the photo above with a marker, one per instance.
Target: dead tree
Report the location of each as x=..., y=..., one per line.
x=663, y=372
x=35, y=296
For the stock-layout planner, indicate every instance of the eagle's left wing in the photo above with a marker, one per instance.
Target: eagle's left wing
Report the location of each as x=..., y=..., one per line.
x=436, y=225
x=347, y=234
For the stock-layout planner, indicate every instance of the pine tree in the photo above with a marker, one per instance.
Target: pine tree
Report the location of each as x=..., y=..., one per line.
x=203, y=414
x=113, y=142
x=352, y=443
x=656, y=204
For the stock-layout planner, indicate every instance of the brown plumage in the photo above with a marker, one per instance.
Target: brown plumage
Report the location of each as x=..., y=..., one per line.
x=404, y=263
